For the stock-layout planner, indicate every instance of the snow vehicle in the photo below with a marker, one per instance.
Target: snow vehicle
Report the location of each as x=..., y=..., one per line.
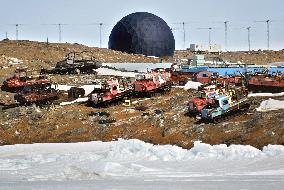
x=205, y=95
x=74, y=63
x=23, y=78
x=204, y=77
x=230, y=79
x=158, y=81
x=180, y=78
x=264, y=82
x=207, y=77
x=110, y=91
x=36, y=95
x=221, y=106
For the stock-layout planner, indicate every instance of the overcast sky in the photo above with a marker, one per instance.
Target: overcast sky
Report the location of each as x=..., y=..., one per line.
x=35, y=14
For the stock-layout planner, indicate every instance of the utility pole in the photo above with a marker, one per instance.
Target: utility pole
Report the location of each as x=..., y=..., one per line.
x=248, y=28
x=183, y=27
x=183, y=30
x=6, y=33
x=209, y=33
x=267, y=30
x=101, y=24
x=17, y=31
x=226, y=35
x=268, y=33
x=210, y=36
x=59, y=31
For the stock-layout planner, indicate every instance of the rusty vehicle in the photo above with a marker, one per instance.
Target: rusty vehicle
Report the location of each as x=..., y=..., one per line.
x=75, y=63
x=111, y=91
x=225, y=105
x=264, y=82
x=180, y=78
x=207, y=95
x=23, y=78
x=36, y=95
x=205, y=77
x=158, y=81
x=230, y=79
x=204, y=96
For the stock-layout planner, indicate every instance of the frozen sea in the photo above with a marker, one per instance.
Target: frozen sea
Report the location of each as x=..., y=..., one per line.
x=133, y=164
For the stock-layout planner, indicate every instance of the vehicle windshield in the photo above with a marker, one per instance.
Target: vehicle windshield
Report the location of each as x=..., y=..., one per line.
x=201, y=95
x=140, y=77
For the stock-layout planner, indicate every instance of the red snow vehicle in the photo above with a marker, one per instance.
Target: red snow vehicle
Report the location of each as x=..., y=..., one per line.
x=230, y=79
x=266, y=82
x=158, y=81
x=203, y=98
x=22, y=78
x=36, y=95
x=205, y=77
x=110, y=91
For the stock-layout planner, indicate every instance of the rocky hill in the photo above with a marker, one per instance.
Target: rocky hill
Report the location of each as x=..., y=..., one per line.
x=47, y=54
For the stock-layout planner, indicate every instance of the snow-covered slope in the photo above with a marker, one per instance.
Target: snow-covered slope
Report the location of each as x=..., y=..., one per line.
x=133, y=164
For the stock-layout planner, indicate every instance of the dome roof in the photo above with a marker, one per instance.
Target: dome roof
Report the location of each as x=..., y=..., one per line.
x=142, y=33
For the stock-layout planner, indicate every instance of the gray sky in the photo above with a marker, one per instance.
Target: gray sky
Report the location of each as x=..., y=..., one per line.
x=197, y=14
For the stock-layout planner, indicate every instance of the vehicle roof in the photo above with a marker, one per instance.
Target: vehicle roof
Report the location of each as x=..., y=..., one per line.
x=220, y=97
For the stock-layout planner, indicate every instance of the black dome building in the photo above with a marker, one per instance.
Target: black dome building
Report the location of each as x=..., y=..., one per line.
x=142, y=33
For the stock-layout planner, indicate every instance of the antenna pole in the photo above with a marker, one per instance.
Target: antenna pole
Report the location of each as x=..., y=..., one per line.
x=248, y=28
x=101, y=24
x=210, y=36
x=59, y=31
x=226, y=35
x=183, y=27
x=6, y=33
x=268, y=34
x=17, y=31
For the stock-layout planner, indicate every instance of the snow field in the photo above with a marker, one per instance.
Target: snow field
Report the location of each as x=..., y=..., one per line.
x=127, y=161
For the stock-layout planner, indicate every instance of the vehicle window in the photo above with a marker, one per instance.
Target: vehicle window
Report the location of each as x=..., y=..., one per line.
x=225, y=102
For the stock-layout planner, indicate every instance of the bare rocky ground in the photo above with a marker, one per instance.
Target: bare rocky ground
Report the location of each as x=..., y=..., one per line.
x=164, y=119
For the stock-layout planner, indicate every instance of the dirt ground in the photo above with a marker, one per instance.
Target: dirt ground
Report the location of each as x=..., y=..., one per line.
x=164, y=120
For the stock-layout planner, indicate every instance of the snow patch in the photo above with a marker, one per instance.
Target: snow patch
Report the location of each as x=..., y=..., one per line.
x=112, y=72
x=192, y=85
x=74, y=101
x=270, y=104
x=266, y=94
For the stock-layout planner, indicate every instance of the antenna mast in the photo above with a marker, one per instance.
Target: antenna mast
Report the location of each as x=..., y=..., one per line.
x=101, y=24
x=17, y=31
x=59, y=31
x=226, y=35
x=248, y=28
x=268, y=34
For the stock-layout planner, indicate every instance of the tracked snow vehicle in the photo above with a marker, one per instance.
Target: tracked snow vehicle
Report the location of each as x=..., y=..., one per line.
x=264, y=82
x=30, y=95
x=75, y=63
x=204, y=96
x=111, y=91
x=24, y=78
x=223, y=106
x=158, y=81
